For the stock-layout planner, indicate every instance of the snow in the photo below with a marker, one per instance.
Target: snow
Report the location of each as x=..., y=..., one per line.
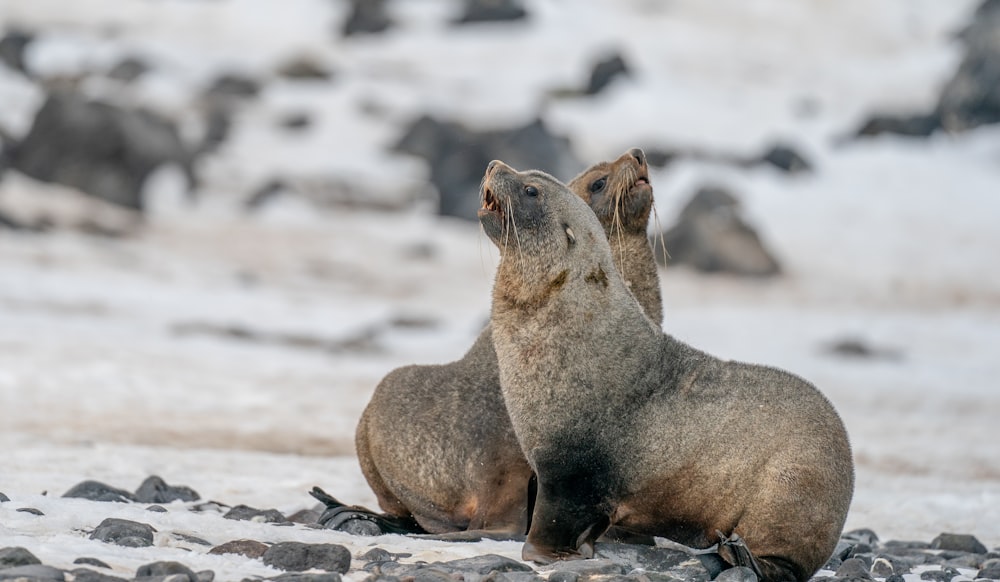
x=113, y=366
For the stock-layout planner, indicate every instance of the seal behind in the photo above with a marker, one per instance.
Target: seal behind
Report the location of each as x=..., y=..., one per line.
x=626, y=426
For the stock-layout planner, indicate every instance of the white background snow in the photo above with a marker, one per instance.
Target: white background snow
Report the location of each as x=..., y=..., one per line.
x=892, y=241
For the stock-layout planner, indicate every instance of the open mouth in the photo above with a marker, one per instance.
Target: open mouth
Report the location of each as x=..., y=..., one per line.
x=491, y=204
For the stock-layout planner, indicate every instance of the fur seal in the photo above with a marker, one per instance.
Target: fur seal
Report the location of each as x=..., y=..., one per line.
x=626, y=426
x=435, y=443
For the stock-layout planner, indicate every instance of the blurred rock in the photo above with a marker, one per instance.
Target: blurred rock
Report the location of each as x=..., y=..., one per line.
x=606, y=71
x=786, y=158
x=88, y=575
x=711, y=236
x=97, y=491
x=123, y=532
x=247, y=513
x=33, y=573
x=366, y=17
x=101, y=149
x=297, y=556
x=128, y=69
x=92, y=562
x=31, y=510
x=458, y=157
x=12, y=47
x=155, y=490
x=485, y=564
x=959, y=543
x=296, y=121
x=491, y=11
x=912, y=126
x=972, y=97
x=304, y=68
x=248, y=548
x=233, y=86
x=16, y=556
x=860, y=349
x=165, y=569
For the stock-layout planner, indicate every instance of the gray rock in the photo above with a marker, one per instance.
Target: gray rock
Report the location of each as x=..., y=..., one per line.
x=157, y=509
x=16, y=556
x=958, y=542
x=855, y=569
x=101, y=149
x=247, y=513
x=895, y=578
x=88, y=575
x=3, y=498
x=592, y=567
x=165, y=569
x=789, y=160
x=738, y=574
x=942, y=575
x=366, y=17
x=33, y=572
x=485, y=564
x=248, y=548
x=712, y=237
x=511, y=577
x=155, y=490
x=123, y=532
x=12, y=47
x=918, y=125
x=991, y=571
x=296, y=556
x=30, y=510
x=128, y=69
x=379, y=555
x=905, y=545
x=604, y=72
x=310, y=577
x=491, y=11
x=91, y=562
x=631, y=556
x=97, y=491
x=458, y=156
x=882, y=568
x=564, y=576
x=233, y=86
x=304, y=69
x=965, y=560
x=972, y=96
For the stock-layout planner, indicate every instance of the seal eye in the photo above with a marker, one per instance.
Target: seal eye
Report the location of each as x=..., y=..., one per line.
x=599, y=184
x=531, y=191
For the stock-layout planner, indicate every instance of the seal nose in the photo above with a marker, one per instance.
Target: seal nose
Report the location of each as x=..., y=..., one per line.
x=639, y=156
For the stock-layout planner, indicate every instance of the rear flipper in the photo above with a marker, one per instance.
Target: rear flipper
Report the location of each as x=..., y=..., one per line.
x=734, y=551
x=360, y=521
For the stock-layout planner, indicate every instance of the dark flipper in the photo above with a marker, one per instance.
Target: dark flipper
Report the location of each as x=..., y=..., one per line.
x=361, y=521
x=735, y=551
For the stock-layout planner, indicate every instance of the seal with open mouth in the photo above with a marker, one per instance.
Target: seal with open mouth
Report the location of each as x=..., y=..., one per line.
x=626, y=426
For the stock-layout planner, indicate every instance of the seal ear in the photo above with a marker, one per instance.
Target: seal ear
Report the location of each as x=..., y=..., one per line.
x=569, y=234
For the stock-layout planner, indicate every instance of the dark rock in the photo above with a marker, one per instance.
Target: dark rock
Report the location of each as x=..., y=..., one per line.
x=458, y=157
x=233, y=86
x=12, y=47
x=157, y=509
x=491, y=11
x=972, y=96
x=855, y=569
x=248, y=548
x=3, y=498
x=296, y=556
x=88, y=575
x=861, y=349
x=247, y=513
x=564, y=576
x=155, y=490
x=942, y=575
x=91, y=562
x=592, y=567
x=16, y=556
x=379, y=555
x=905, y=545
x=205, y=575
x=908, y=126
x=33, y=572
x=101, y=149
x=311, y=577
x=366, y=17
x=991, y=571
x=969, y=561
x=959, y=543
x=304, y=69
x=637, y=556
x=305, y=516
x=128, y=69
x=30, y=510
x=165, y=569
x=604, y=72
x=711, y=236
x=123, y=532
x=788, y=159
x=895, y=578
x=97, y=491
x=189, y=538
x=738, y=574
x=512, y=577
x=485, y=564
x=218, y=123
x=296, y=121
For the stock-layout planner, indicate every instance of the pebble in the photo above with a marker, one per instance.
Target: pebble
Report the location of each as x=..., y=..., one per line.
x=91, y=562
x=248, y=548
x=30, y=510
x=297, y=556
x=124, y=533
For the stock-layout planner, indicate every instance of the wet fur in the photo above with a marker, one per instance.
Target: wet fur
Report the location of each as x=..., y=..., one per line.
x=626, y=426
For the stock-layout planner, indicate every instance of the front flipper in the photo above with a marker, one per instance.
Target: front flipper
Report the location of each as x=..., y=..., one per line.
x=360, y=521
x=734, y=551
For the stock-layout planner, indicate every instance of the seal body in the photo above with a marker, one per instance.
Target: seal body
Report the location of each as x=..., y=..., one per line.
x=435, y=442
x=626, y=426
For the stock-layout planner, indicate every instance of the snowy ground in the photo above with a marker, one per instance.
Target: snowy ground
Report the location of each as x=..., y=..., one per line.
x=112, y=367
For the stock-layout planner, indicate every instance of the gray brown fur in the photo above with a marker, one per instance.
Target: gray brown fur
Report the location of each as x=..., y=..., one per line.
x=627, y=426
x=435, y=442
